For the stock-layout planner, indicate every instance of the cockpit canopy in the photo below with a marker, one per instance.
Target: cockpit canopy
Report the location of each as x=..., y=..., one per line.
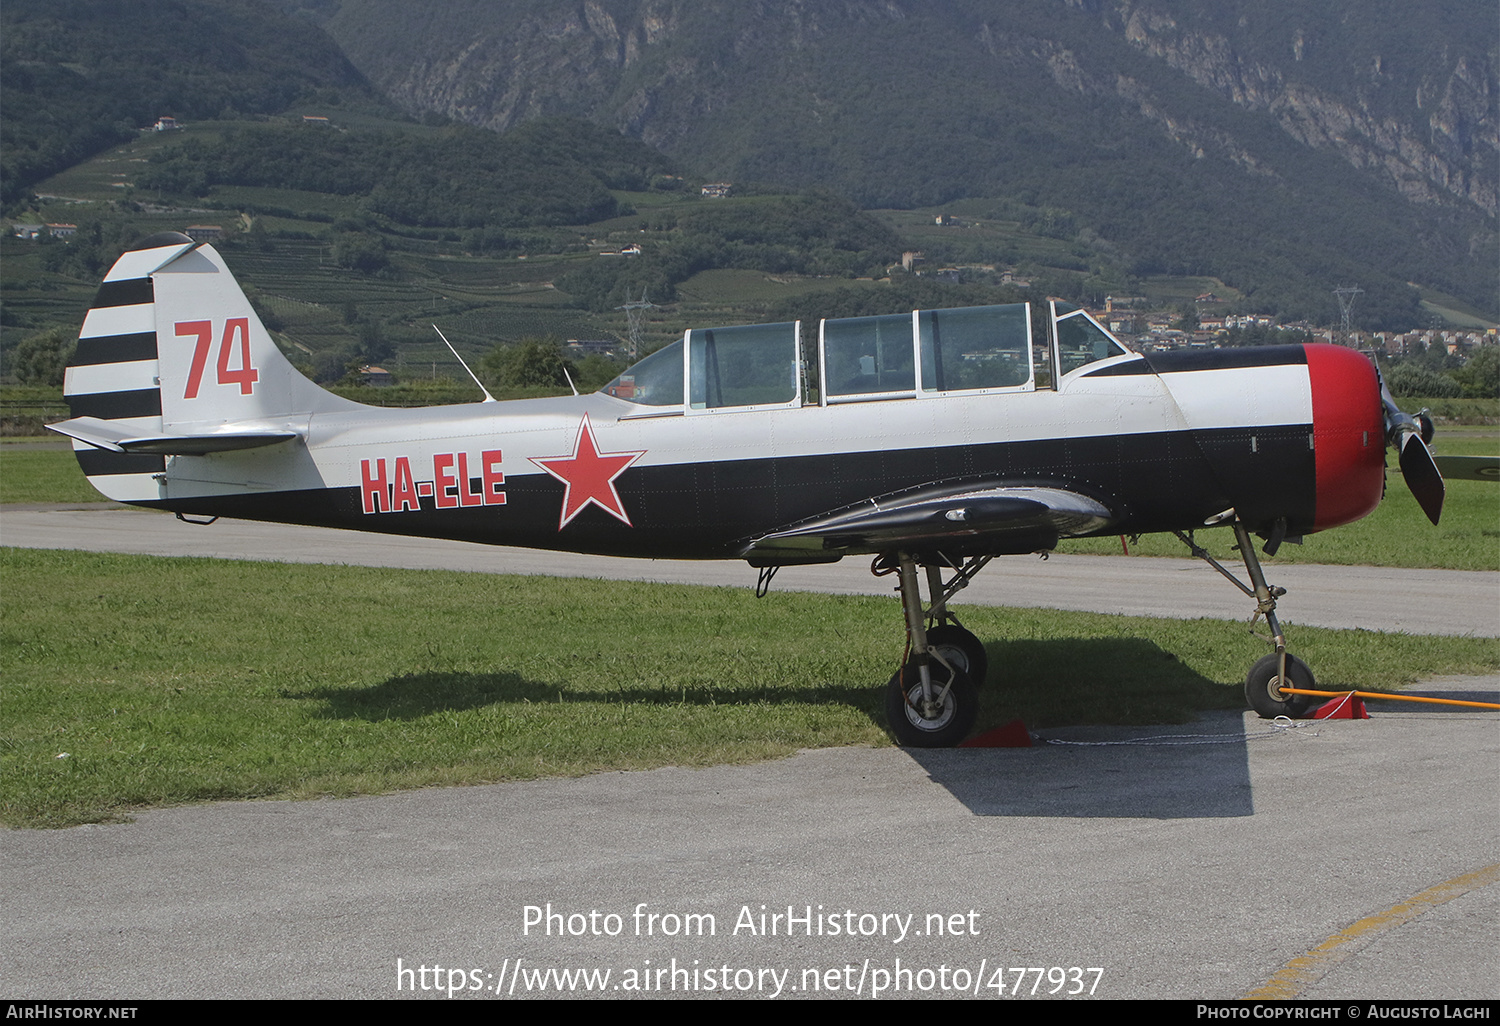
x=926, y=353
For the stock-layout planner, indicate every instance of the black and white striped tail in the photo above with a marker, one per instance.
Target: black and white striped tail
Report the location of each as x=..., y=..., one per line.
x=115, y=375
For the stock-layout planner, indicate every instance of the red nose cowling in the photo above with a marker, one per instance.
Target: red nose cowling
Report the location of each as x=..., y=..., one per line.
x=1348, y=435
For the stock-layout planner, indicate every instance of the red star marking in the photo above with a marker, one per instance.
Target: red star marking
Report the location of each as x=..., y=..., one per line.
x=589, y=475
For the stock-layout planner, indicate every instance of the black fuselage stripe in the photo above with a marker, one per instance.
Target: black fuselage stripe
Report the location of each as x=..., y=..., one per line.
x=1152, y=482
x=131, y=292
x=1119, y=370
x=141, y=402
x=115, y=349
x=1176, y=360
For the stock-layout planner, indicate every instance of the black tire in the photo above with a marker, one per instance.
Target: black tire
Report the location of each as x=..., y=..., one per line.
x=961, y=648
x=1263, y=688
x=952, y=722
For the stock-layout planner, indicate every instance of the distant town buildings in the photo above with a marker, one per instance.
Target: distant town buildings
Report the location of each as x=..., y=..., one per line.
x=165, y=124
x=718, y=190
x=1454, y=342
x=581, y=347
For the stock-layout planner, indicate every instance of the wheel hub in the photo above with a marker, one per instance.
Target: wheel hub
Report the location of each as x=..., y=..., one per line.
x=928, y=714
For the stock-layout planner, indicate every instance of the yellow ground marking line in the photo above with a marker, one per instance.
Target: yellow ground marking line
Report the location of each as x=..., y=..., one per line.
x=1302, y=972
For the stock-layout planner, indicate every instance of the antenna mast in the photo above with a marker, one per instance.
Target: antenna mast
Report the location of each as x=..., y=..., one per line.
x=487, y=397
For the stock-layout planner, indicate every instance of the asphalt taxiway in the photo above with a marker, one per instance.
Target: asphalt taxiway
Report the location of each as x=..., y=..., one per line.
x=1195, y=861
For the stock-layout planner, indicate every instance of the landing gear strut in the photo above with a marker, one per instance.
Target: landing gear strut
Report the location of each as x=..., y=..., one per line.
x=1280, y=669
x=933, y=700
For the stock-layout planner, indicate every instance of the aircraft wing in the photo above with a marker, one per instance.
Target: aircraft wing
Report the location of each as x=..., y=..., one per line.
x=996, y=520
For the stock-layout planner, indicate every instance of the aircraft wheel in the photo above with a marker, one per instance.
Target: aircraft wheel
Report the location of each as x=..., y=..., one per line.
x=961, y=648
x=1263, y=688
x=942, y=727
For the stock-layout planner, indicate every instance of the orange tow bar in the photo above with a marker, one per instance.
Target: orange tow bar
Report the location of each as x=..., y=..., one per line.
x=1386, y=694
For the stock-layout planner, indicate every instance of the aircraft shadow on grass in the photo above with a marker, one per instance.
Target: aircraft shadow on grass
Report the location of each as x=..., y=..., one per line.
x=415, y=695
x=1167, y=779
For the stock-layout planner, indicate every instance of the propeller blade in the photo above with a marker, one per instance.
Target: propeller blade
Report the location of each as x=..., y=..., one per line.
x=1410, y=434
x=1422, y=476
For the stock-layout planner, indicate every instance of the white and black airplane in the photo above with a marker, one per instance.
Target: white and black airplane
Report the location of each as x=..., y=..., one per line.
x=932, y=441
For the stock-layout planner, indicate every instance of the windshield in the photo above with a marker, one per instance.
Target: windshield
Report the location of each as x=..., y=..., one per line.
x=654, y=381
x=1081, y=340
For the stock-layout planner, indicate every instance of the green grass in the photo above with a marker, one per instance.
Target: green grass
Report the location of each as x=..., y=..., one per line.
x=43, y=475
x=133, y=681
x=1457, y=415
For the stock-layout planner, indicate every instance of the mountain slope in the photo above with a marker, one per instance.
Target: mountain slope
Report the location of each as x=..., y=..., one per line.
x=1282, y=149
x=80, y=76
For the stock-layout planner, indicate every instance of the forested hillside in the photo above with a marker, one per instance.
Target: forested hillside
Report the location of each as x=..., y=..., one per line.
x=80, y=76
x=543, y=173
x=818, y=236
x=548, y=168
x=1284, y=147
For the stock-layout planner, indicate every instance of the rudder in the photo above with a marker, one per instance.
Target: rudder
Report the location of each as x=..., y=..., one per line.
x=114, y=375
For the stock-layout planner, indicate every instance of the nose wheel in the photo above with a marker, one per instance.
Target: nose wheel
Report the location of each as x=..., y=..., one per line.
x=1264, y=683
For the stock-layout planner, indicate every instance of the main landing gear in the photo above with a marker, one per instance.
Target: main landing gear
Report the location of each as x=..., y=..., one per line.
x=933, y=700
x=1280, y=669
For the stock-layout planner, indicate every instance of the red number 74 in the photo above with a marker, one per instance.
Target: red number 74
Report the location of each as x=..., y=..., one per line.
x=235, y=328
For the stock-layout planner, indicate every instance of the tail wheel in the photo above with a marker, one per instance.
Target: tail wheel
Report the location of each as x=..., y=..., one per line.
x=1263, y=687
x=962, y=650
x=942, y=723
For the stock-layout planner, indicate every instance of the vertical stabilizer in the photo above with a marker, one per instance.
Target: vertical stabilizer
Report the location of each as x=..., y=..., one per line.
x=218, y=363
x=172, y=350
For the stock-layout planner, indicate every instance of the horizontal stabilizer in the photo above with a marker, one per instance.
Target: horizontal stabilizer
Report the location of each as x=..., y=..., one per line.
x=1469, y=468
x=110, y=435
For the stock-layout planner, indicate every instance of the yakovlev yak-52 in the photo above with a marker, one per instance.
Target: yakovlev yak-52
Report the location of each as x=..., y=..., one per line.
x=933, y=441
